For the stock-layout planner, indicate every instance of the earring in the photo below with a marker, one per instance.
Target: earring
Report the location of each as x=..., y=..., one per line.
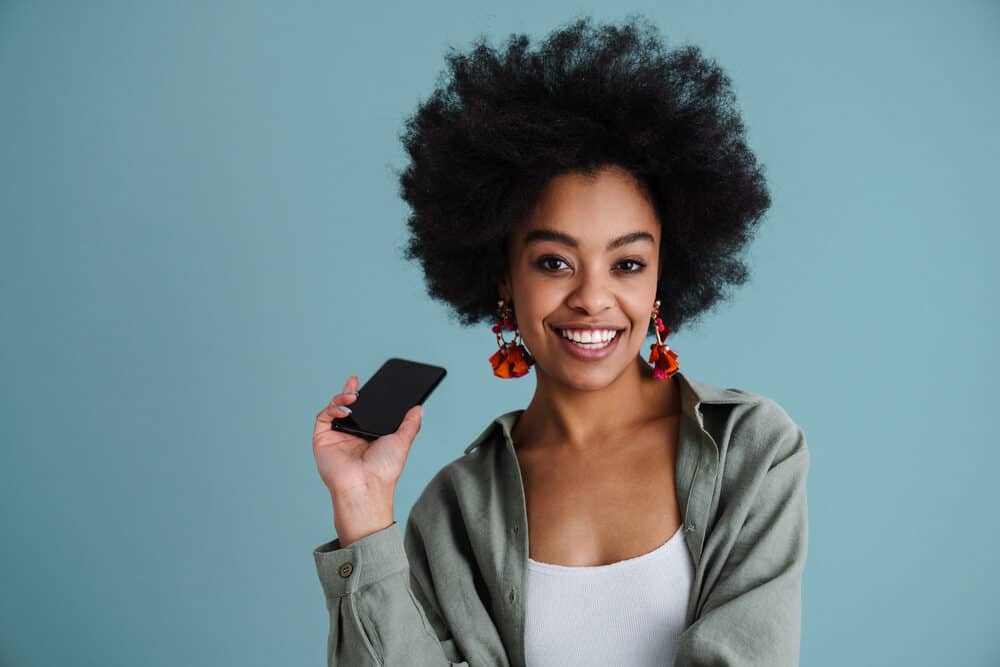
x=512, y=360
x=664, y=359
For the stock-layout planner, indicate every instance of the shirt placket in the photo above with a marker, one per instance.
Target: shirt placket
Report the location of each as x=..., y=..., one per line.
x=515, y=561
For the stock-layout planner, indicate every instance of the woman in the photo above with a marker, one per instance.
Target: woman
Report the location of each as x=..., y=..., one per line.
x=593, y=192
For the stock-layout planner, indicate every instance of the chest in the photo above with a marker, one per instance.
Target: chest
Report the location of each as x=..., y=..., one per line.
x=596, y=510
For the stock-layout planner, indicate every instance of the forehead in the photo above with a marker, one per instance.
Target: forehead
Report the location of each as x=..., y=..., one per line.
x=592, y=208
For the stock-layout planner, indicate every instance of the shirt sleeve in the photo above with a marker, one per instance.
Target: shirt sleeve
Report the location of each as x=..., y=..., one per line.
x=752, y=614
x=376, y=620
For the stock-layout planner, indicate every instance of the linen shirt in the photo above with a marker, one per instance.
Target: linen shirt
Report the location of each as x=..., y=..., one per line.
x=448, y=590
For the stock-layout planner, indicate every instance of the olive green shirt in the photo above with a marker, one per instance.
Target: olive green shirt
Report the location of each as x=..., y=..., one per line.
x=450, y=589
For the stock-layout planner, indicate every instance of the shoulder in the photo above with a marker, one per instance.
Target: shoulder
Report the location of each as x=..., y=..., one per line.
x=768, y=426
x=761, y=452
x=764, y=443
x=468, y=481
x=747, y=426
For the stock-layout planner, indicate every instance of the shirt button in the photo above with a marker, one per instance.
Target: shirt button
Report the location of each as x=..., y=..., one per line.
x=688, y=527
x=516, y=526
x=346, y=569
x=513, y=594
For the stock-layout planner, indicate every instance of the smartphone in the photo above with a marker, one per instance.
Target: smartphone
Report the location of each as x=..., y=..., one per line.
x=382, y=401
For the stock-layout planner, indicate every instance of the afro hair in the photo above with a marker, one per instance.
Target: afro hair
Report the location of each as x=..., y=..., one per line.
x=492, y=134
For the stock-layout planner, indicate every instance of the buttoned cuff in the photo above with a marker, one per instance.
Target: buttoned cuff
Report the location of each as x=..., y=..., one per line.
x=344, y=570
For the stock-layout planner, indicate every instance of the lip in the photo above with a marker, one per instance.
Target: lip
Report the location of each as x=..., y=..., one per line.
x=588, y=325
x=587, y=355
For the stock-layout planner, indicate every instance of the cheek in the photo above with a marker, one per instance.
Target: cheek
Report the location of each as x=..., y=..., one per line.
x=536, y=304
x=641, y=315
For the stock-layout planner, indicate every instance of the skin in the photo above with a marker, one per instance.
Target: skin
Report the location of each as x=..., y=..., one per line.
x=579, y=406
x=597, y=444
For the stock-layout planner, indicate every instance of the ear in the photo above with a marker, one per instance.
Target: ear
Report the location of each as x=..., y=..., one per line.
x=503, y=288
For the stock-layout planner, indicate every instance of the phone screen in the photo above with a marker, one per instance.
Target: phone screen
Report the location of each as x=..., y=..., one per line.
x=382, y=401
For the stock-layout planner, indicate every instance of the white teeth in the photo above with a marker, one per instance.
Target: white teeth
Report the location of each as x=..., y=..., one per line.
x=592, y=346
x=593, y=337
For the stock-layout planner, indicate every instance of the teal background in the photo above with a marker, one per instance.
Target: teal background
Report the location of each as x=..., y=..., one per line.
x=201, y=240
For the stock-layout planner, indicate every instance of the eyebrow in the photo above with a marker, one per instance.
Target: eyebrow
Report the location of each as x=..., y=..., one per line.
x=538, y=235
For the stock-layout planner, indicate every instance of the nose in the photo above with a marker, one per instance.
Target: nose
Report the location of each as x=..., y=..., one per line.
x=591, y=295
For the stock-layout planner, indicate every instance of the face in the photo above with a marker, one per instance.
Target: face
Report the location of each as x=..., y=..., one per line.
x=587, y=257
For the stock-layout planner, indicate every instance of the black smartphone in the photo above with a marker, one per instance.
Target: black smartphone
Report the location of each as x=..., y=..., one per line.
x=382, y=401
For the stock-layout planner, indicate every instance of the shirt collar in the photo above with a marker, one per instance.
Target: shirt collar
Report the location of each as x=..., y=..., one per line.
x=693, y=394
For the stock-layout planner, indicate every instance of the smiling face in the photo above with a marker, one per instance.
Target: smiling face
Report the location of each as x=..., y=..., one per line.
x=586, y=258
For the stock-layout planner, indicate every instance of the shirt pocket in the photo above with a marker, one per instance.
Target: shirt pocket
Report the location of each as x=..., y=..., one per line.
x=423, y=615
x=357, y=614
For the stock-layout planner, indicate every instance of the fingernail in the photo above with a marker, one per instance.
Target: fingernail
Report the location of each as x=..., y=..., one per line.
x=345, y=409
x=352, y=392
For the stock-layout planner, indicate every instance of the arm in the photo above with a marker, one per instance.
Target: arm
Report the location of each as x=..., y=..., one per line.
x=752, y=614
x=376, y=619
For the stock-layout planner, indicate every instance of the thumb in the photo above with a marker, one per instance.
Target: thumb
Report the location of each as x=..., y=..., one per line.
x=410, y=426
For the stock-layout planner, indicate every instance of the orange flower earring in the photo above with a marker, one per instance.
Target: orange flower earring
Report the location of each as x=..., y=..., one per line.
x=512, y=360
x=663, y=359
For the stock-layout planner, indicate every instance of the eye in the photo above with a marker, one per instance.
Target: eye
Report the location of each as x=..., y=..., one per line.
x=544, y=263
x=549, y=264
x=639, y=265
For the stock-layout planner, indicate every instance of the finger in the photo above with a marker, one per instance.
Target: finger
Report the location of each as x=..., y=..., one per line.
x=332, y=411
x=324, y=420
x=336, y=410
x=352, y=384
x=410, y=426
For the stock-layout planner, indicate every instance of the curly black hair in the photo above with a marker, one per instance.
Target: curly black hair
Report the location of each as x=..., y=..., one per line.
x=490, y=136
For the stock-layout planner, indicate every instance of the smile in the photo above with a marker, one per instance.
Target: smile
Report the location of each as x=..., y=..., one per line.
x=598, y=347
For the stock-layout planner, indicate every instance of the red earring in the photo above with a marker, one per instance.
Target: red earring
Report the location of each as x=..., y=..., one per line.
x=512, y=360
x=664, y=359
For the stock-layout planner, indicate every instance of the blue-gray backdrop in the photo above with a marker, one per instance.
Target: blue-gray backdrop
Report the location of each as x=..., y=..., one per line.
x=201, y=240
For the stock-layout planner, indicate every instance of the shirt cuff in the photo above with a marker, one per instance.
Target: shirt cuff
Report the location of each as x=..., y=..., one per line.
x=344, y=570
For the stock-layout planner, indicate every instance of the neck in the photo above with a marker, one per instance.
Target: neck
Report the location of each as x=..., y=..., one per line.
x=577, y=421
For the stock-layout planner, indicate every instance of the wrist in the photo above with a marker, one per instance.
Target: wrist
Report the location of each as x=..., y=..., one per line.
x=358, y=515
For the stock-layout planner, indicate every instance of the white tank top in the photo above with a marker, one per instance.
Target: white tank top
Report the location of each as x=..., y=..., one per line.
x=624, y=613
